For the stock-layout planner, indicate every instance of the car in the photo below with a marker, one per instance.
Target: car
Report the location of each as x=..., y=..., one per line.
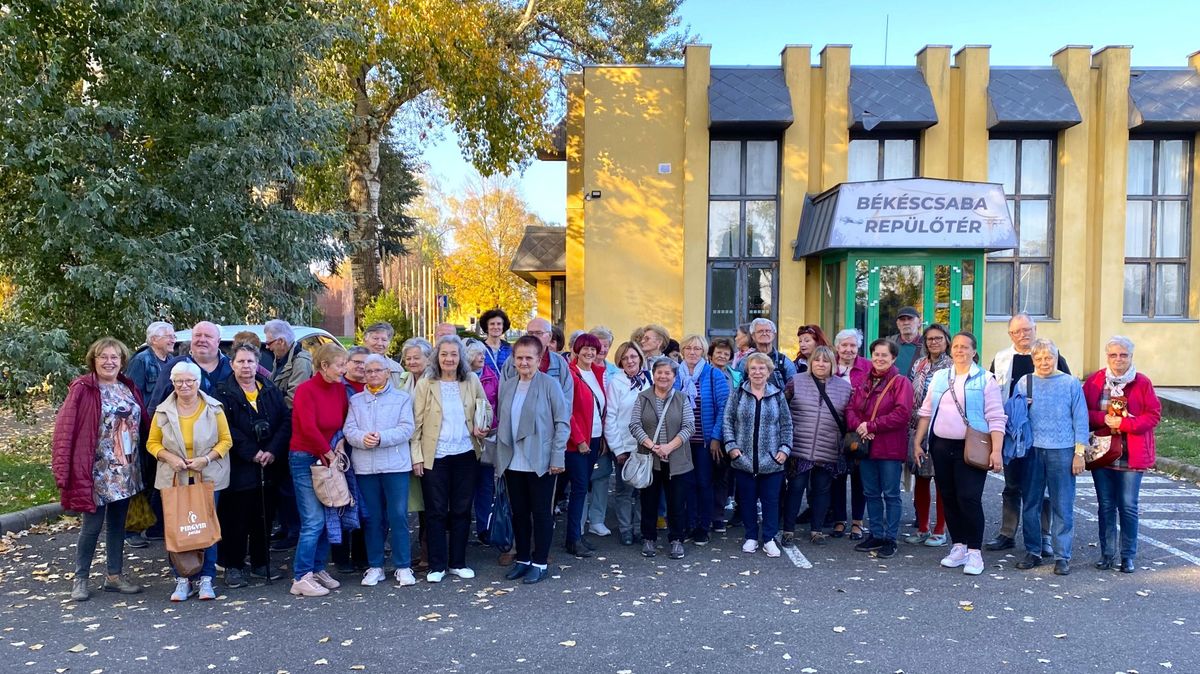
x=310, y=338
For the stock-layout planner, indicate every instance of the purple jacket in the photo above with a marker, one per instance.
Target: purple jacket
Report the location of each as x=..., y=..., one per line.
x=890, y=425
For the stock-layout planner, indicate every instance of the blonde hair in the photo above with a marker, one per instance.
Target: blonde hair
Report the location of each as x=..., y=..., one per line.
x=694, y=339
x=328, y=353
x=759, y=357
x=101, y=344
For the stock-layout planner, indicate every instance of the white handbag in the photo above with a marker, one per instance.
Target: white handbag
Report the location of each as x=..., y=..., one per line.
x=638, y=471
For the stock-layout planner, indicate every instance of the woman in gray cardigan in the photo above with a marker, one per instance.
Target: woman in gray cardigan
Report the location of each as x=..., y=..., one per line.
x=530, y=452
x=664, y=441
x=818, y=404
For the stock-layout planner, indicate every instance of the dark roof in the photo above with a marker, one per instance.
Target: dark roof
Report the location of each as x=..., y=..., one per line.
x=542, y=249
x=749, y=97
x=558, y=143
x=1028, y=99
x=887, y=97
x=1164, y=99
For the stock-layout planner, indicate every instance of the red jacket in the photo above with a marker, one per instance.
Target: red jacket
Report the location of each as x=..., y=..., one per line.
x=76, y=434
x=1144, y=414
x=318, y=413
x=891, y=422
x=583, y=409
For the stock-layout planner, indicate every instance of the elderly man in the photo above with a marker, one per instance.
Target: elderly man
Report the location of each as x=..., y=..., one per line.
x=377, y=337
x=552, y=363
x=444, y=330
x=293, y=364
x=1009, y=365
x=205, y=351
x=908, y=339
x=762, y=336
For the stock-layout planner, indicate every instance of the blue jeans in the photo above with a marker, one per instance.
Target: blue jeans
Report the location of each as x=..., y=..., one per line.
x=312, y=549
x=386, y=498
x=1049, y=470
x=881, y=488
x=485, y=493
x=1117, y=496
x=753, y=488
x=210, y=553
x=700, y=489
x=579, y=478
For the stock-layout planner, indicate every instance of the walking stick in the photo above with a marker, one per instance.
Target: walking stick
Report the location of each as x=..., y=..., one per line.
x=262, y=492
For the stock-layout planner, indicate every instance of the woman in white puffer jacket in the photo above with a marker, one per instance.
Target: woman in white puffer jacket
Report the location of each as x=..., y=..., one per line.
x=621, y=391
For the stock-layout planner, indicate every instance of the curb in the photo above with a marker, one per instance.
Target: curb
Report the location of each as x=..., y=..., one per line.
x=1178, y=469
x=21, y=520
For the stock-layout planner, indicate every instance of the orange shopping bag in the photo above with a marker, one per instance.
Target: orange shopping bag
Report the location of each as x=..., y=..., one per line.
x=190, y=515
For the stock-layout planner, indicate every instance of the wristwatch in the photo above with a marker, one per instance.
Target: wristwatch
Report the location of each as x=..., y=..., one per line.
x=1079, y=449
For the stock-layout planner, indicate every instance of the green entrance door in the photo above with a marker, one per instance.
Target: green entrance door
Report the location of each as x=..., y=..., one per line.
x=867, y=290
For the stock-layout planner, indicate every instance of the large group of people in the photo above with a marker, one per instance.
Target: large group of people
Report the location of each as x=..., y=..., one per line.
x=733, y=432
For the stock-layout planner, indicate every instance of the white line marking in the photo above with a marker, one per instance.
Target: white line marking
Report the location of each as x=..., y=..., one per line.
x=1193, y=541
x=1169, y=507
x=1189, y=525
x=1173, y=493
x=793, y=553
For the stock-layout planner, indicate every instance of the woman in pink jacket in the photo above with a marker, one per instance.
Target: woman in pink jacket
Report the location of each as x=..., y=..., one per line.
x=879, y=410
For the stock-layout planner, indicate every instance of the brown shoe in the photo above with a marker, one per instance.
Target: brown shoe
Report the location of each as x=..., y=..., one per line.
x=506, y=558
x=120, y=584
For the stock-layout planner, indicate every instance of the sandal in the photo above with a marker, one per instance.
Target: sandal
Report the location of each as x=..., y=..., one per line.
x=839, y=530
x=856, y=532
x=816, y=538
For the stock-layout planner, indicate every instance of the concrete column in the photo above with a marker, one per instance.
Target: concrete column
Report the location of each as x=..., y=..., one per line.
x=793, y=185
x=1109, y=152
x=832, y=108
x=575, y=221
x=695, y=187
x=971, y=150
x=934, y=62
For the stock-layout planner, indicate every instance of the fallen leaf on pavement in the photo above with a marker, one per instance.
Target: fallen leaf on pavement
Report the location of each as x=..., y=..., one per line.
x=569, y=643
x=77, y=648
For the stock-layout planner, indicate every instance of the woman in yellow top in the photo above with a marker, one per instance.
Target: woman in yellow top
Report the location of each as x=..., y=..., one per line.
x=190, y=433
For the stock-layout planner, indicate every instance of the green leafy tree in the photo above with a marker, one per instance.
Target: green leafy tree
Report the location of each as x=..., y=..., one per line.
x=148, y=160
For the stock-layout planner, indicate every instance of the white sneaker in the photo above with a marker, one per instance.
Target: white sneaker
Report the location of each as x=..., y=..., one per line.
x=465, y=573
x=328, y=581
x=974, y=564
x=771, y=549
x=183, y=589
x=956, y=558
x=307, y=586
x=599, y=529
x=435, y=576
x=750, y=545
x=205, y=588
x=405, y=577
x=372, y=577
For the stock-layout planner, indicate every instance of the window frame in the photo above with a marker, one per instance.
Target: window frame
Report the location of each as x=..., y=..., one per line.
x=881, y=137
x=1016, y=260
x=1152, y=261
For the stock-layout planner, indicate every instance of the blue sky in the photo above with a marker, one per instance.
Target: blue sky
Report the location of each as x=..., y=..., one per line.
x=1020, y=32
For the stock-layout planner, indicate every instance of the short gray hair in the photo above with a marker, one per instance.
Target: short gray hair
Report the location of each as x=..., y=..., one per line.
x=849, y=333
x=763, y=321
x=473, y=348
x=664, y=361
x=382, y=361
x=1120, y=341
x=417, y=343
x=601, y=332
x=1042, y=344
x=357, y=351
x=434, y=371
x=277, y=328
x=153, y=328
x=381, y=326
x=186, y=367
x=1022, y=314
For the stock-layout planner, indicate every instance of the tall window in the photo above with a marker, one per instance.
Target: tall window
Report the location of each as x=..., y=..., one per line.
x=743, y=232
x=1157, y=227
x=1021, y=279
x=882, y=159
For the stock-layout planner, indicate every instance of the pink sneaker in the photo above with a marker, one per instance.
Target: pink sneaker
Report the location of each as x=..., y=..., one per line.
x=956, y=558
x=308, y=587
x=327, y=580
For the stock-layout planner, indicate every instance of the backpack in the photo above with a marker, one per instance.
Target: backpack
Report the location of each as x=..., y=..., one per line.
x=1018, y=430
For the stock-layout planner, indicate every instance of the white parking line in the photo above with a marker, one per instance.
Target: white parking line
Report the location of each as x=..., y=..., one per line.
x=1169, y=507
x=1190, y=525
x=793, y=553
x=1173, y=493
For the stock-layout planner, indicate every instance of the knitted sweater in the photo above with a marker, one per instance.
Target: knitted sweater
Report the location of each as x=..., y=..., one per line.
x=318, y=414
x=1059, y=415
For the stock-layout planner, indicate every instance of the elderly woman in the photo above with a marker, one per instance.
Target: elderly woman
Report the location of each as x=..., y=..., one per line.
x=317, y=416
x=708, y=390
x=1059, y=420
x=852, y=369
x=879, y=411
x=662, y=422
x=445, y=454
x=260, y=426
x=621, y=392
x=817, y=400
x=495, y=325
x=477, y=355
x=744, y=343
x=957, y=397
x=95, y=460
x=190, y=433
x=720, y=356
x=378, y=427
x=653, y=340
x=810, y=337
x=936, y=358
x=588, y=411
x=531, y=443
x=758, y=437
x=1121, y=402
x=350, y=556
x=415, y=355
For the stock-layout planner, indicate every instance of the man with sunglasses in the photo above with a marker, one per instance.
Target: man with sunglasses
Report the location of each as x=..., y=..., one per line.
x=293, y=364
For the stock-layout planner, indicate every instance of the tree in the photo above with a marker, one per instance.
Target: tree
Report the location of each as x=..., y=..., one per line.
x=149, y=155
x=488, y=222
x=491, y=69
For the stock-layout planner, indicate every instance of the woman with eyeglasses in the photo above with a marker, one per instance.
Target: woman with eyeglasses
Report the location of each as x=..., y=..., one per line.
x=937, y=357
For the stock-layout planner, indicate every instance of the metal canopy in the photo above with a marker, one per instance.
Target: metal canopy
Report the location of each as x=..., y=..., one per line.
x=890, y=98
x=1025, y=99
x=909, y=213
x=749, y=97
x=543, y=249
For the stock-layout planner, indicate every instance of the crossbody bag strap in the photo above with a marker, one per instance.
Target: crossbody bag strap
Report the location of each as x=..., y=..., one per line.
x=954, y=397
x=882, y=393
x=841, y=424
x=662, y=417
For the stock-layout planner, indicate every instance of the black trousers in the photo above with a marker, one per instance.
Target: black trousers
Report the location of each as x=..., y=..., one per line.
x=816, y=482
x=532, y=501
x=960, y=488
x=245, y=527
x=676, y=491
x=449, y=489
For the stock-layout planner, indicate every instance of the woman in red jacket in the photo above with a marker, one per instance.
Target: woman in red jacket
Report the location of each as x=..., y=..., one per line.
x=587, y=433
x=318, y=413
x=95, y=460
x=1121, y=401
x=879, y=410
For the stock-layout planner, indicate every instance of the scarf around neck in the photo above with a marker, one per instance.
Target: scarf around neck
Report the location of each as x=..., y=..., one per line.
x=1116, y=384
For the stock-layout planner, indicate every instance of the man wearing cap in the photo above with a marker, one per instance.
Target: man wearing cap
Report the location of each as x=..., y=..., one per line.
x=908, y=322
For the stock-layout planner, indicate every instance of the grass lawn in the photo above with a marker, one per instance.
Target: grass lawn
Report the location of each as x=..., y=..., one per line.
x=25, y=478
x=1179, y=439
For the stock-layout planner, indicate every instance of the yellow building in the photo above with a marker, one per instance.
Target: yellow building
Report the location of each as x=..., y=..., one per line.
x=700, y=197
